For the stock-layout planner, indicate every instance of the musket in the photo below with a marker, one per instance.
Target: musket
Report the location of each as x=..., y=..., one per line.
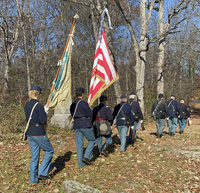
x=132, y=135
x=167, y=123
x=188, y=122
x=142, y=125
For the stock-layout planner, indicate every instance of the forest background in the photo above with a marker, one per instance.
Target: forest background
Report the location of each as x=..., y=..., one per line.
x=154, y=46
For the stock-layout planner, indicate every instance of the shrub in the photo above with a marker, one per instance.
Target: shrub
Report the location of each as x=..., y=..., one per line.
x=12, y=118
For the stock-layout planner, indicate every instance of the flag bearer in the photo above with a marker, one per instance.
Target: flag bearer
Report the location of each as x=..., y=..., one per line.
x=82, y=114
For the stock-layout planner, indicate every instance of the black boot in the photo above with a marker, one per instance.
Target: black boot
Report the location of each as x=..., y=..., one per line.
x=159, y=135
x=103, y=150
x=172, y=134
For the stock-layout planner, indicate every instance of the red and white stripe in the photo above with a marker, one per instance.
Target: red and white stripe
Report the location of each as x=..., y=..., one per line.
x=103, y=73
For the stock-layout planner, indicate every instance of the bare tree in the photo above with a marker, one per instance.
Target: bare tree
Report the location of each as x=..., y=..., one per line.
x=140, y=47
x=10, y=33
x=21, y=13
x=164, y=30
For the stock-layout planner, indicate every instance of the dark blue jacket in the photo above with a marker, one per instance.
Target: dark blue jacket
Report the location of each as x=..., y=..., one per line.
x=127, y=110
x=174, y=108
x=103, y=111
x=161, y=108
x=136, y=108
x=83, y=114
x=39, y=116
x=185, y=111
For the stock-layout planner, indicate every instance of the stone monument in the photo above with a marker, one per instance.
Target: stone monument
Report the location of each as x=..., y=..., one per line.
x=61, y=115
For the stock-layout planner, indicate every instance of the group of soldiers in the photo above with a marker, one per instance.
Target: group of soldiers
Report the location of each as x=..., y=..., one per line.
x=96, y=124
x=172, y=113
x=88, y=123
x=127, y=114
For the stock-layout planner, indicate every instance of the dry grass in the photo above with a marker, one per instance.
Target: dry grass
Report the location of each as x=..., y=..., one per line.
x=152, y=165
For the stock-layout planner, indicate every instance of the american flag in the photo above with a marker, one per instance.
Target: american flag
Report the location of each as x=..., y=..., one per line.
x=103, y=72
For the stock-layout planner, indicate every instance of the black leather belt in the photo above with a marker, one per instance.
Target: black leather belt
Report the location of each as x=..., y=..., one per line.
x=81, y=117
x=35, y=125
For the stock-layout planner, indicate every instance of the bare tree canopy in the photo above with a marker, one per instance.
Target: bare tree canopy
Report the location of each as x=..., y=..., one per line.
x=154, y=45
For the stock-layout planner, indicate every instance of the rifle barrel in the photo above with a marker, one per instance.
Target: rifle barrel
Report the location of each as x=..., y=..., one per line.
x=143, y=128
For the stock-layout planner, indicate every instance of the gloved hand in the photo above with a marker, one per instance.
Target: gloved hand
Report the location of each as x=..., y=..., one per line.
x=179, y=116
x=132, y=127
x=141, y=121
x=46, y=109
x=188, y=118
x=167, y=118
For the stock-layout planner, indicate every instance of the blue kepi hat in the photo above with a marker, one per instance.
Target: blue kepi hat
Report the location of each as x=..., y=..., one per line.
x=81, y=90
x=132, y=93
x=160, y=95
x=123, y=96
x=36, y=88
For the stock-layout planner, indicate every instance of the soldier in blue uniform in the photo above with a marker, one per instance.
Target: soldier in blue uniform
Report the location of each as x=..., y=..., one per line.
x=101, y=112
x=124, y=114
x=138, y=115
x=174, y=113
x=37, y=137
x=185, y=114
x=83, y=128
x=159, y=111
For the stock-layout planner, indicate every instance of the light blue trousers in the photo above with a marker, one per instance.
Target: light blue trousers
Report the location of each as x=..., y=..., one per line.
x=182, y=124
x=122, y=133
x=88, y=133
x=107, y=141
x=36, y=144
x=173, y=123
x=160, y=124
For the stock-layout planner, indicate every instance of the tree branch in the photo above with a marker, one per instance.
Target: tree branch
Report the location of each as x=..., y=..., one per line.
x=151, y=6
x=125, y=15
x=177, y=10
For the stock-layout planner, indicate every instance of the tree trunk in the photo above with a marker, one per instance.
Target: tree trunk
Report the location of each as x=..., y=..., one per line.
x=140, y=64
x=161, y=54
x=6, y=78
x=181, y=77
x=62, y=21
x=94, y=20
x=139, y=48
x=163, y=32
x=32, y=59
x=9, y=46
x=22, y=24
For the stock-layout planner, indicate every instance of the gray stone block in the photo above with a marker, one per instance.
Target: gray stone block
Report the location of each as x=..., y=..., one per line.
x=76, y=187
x=61, y=116
x=60, y=120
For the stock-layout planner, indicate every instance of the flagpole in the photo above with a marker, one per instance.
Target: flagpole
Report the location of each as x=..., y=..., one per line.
x=75, y=17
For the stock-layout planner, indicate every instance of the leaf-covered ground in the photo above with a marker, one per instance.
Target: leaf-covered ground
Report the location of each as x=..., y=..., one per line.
x=169, y=164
